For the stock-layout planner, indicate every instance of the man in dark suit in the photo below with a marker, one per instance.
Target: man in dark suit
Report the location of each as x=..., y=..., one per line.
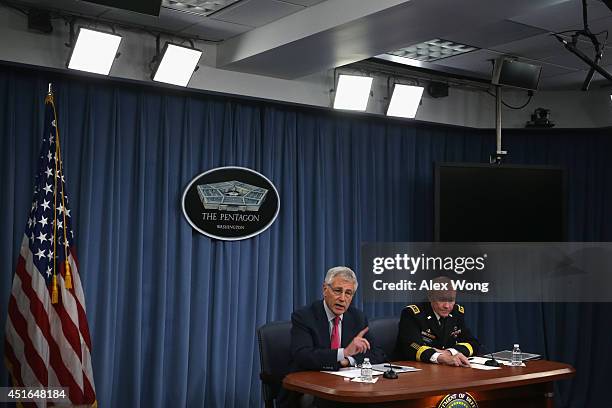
x=435, y=332
x=329, y=334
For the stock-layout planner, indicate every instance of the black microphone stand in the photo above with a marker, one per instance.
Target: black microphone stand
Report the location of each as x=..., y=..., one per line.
x=390, y=373
x=491, y=362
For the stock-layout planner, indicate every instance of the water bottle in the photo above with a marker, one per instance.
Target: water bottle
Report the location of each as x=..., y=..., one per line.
x=366, y=370
x=517, y=356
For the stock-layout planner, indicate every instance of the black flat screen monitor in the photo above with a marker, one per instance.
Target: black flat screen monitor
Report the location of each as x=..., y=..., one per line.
x=499, y=203
x=516, y=74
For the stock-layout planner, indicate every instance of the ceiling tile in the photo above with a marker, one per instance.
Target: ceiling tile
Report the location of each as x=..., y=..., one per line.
x=601, y=24
x=563, y=16
x=567, y=59
x=215, y=30
x=478, y=61
x=492, y=34
x=72, y=6
x=168, y=20
x=550, y=70
x=536, y=47
x=305, y=3
x=256, y=13
x=570, y=81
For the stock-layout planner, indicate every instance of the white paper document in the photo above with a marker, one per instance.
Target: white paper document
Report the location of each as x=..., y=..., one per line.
x=397, y=368
x=350, y=372
x=479, y=363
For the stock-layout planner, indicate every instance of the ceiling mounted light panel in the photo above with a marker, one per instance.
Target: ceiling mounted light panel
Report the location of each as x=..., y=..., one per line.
x=352, y=92
x=94, y=51
x=177, y=64
x=405, y=101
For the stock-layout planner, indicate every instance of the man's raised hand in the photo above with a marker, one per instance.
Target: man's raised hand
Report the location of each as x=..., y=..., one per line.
x=358, y=345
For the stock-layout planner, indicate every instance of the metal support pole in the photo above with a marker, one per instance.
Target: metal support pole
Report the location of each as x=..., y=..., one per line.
x=498, y=118
x=497, y=158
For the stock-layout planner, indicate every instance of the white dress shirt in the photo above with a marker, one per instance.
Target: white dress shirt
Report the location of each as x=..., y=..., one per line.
x=330, y=320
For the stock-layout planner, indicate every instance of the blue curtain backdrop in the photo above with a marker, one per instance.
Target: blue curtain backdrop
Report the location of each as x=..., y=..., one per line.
x=173, y=314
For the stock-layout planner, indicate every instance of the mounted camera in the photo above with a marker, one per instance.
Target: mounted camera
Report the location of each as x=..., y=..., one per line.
x=540, y=118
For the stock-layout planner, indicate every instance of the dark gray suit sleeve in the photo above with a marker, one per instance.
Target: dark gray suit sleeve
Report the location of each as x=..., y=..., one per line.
x=303, y=350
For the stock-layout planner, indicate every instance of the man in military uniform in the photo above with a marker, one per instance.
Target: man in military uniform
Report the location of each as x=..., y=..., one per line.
x=435, y=331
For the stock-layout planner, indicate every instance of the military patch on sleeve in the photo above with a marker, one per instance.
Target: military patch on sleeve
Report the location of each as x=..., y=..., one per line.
x=415, y=309
x=460, y=309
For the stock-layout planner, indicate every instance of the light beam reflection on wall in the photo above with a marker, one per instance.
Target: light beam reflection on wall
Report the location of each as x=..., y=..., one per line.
x=177, y=64
x=405, y=101
x=94, y=51
x=352, y=92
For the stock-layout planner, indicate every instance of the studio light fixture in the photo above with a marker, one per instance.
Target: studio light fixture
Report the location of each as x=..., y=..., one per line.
x=176, y=64
x=352, y=92
x=405, y=101
x=93, y=51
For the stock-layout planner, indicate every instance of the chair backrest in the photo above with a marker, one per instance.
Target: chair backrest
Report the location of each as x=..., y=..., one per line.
x=274, y=340
x=385, y=331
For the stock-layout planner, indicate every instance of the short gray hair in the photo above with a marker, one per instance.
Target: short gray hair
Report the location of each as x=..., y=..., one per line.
x=434, y=294
x=343, y=272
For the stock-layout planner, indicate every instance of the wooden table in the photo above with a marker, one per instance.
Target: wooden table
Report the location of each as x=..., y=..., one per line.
x=524, y=387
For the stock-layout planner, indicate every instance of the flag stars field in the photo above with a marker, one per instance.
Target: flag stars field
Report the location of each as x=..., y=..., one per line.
x=56, y=357
x=41, y=237
x=40, y=254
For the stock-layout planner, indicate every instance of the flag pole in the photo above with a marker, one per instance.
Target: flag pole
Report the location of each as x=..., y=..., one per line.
x=49, y=97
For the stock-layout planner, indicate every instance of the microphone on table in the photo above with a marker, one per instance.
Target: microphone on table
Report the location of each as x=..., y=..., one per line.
x=390, y=374
x=491, y=362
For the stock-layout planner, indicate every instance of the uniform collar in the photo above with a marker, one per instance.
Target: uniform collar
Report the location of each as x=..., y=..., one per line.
x=437, y=315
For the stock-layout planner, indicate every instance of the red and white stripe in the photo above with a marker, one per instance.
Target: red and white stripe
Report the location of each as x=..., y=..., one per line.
x=48, y=345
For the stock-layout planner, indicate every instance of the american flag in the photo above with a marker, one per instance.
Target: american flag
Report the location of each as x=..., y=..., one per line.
x=47, y=340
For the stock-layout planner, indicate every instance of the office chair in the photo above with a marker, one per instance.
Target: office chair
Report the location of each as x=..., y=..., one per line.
x=385, y=331
x=274, y=356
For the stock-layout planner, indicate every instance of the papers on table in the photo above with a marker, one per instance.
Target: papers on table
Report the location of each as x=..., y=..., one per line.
x=377, y=369
x=350, y=372
x=507, y=356
x=397, y=368
x=479, y=363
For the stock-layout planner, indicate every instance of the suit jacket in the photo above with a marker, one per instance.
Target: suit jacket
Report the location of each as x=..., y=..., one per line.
x=311, y=343
x=419, y=333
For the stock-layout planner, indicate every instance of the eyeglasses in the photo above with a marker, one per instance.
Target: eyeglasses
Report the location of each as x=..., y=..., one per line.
x=338, y=291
